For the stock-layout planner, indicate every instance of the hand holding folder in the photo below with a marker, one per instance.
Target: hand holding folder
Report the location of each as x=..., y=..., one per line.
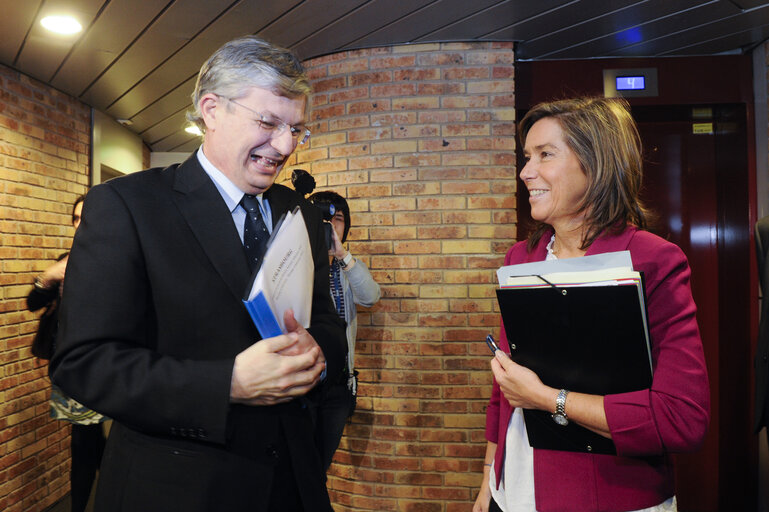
x=582, y=331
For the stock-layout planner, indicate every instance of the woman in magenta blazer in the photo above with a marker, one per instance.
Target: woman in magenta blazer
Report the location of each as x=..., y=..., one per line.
x=583, y=174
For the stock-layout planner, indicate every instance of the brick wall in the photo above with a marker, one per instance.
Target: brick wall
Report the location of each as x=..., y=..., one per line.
x=420, y=140
x=44, y=146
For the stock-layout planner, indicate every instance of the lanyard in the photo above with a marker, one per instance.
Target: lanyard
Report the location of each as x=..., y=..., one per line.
x=336, y=288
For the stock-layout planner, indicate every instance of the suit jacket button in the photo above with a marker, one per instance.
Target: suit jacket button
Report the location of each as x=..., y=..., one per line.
x=272, y=452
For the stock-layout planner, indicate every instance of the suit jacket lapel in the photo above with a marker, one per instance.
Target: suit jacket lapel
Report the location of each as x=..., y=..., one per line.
x=206, y=213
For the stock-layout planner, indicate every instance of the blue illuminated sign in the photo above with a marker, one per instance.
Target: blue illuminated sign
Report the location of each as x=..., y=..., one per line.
x=631, y=83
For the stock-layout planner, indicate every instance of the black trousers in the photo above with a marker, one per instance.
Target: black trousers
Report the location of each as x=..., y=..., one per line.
x=87, y=447
x=330, y=416
x=493, y=507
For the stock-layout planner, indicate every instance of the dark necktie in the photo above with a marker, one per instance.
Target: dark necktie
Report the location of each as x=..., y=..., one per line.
x=255, y=234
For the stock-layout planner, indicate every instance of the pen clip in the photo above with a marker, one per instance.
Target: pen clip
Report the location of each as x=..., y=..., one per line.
x=491, y=343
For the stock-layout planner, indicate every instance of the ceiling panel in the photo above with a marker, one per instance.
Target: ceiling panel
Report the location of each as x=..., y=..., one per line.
x=744, y=38
x=305, y=19
x=175, y=140
x=353, y=26
x=44, y=53
x=178, y=99
x=118, y=25
x=495, y=19
x=239, y=20
x=171, y=124
x=701, y=31
x=16, y=20
x=547, y=19
x=626, y=41
x=423, y=21
x=159, y=41
x=187, y=146
x=749, y=4
x=612, y=28
x=138, y=59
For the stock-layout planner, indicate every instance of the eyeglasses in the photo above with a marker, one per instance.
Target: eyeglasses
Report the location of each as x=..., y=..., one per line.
x=298, y=132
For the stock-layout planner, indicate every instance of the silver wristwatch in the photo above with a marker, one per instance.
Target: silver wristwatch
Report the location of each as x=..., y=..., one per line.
x=559, y=416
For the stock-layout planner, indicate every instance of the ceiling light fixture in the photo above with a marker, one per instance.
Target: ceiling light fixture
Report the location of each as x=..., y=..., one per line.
x=61, y=24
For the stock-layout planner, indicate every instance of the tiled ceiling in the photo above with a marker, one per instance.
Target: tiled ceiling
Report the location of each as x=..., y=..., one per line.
x=136, y=60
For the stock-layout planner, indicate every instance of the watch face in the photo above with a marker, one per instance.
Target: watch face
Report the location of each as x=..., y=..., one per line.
x=560, y=419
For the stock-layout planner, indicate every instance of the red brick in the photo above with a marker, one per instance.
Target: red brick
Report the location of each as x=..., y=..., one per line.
x=377, y=77
x=362, y=107
x=465, y=73
x=329, y=84
x=347, y=95
x=404, y=61
x=390, y=90
x=417, y=74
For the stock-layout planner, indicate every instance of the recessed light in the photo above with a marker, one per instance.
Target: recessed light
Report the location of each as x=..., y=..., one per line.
x=194, y=130
x=61, y=24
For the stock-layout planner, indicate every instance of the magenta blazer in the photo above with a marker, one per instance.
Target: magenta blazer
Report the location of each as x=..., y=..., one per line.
x=646, y=426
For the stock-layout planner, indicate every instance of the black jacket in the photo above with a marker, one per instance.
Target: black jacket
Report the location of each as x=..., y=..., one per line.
x=151, y=322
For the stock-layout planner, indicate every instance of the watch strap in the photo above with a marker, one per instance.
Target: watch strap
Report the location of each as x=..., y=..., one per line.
x=559, y=416
x=345, y=261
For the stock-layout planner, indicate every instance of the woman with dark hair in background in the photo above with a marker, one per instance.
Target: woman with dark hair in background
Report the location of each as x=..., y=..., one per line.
x=87, y=439
x=583, y=174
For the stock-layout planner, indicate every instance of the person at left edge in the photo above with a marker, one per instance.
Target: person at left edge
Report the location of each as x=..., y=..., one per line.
x=153, y=331
x=86, y=431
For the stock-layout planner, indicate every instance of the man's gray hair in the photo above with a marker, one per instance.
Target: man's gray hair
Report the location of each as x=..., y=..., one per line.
x=244, y=63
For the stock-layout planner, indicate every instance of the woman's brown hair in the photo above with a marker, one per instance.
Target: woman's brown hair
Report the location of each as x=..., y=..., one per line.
x=603, y=136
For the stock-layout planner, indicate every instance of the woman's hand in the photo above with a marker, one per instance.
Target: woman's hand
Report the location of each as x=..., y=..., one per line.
x=484, y=497
x=520, y=386
x=54, y=274
x=484, y=494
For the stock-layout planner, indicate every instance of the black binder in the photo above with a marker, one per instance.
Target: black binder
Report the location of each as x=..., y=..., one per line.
x=591, y=339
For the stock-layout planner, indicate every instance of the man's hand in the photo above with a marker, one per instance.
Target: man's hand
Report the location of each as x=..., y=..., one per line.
x=305, y=341
x=279, y=369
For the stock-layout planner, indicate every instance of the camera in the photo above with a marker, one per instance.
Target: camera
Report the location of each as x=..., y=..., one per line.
x=327, y=210
x=304, y=183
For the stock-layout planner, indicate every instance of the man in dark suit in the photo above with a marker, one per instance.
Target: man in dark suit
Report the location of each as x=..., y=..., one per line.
x=154, y=333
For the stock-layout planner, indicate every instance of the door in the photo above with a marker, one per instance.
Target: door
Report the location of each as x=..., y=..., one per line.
x=696, y=181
